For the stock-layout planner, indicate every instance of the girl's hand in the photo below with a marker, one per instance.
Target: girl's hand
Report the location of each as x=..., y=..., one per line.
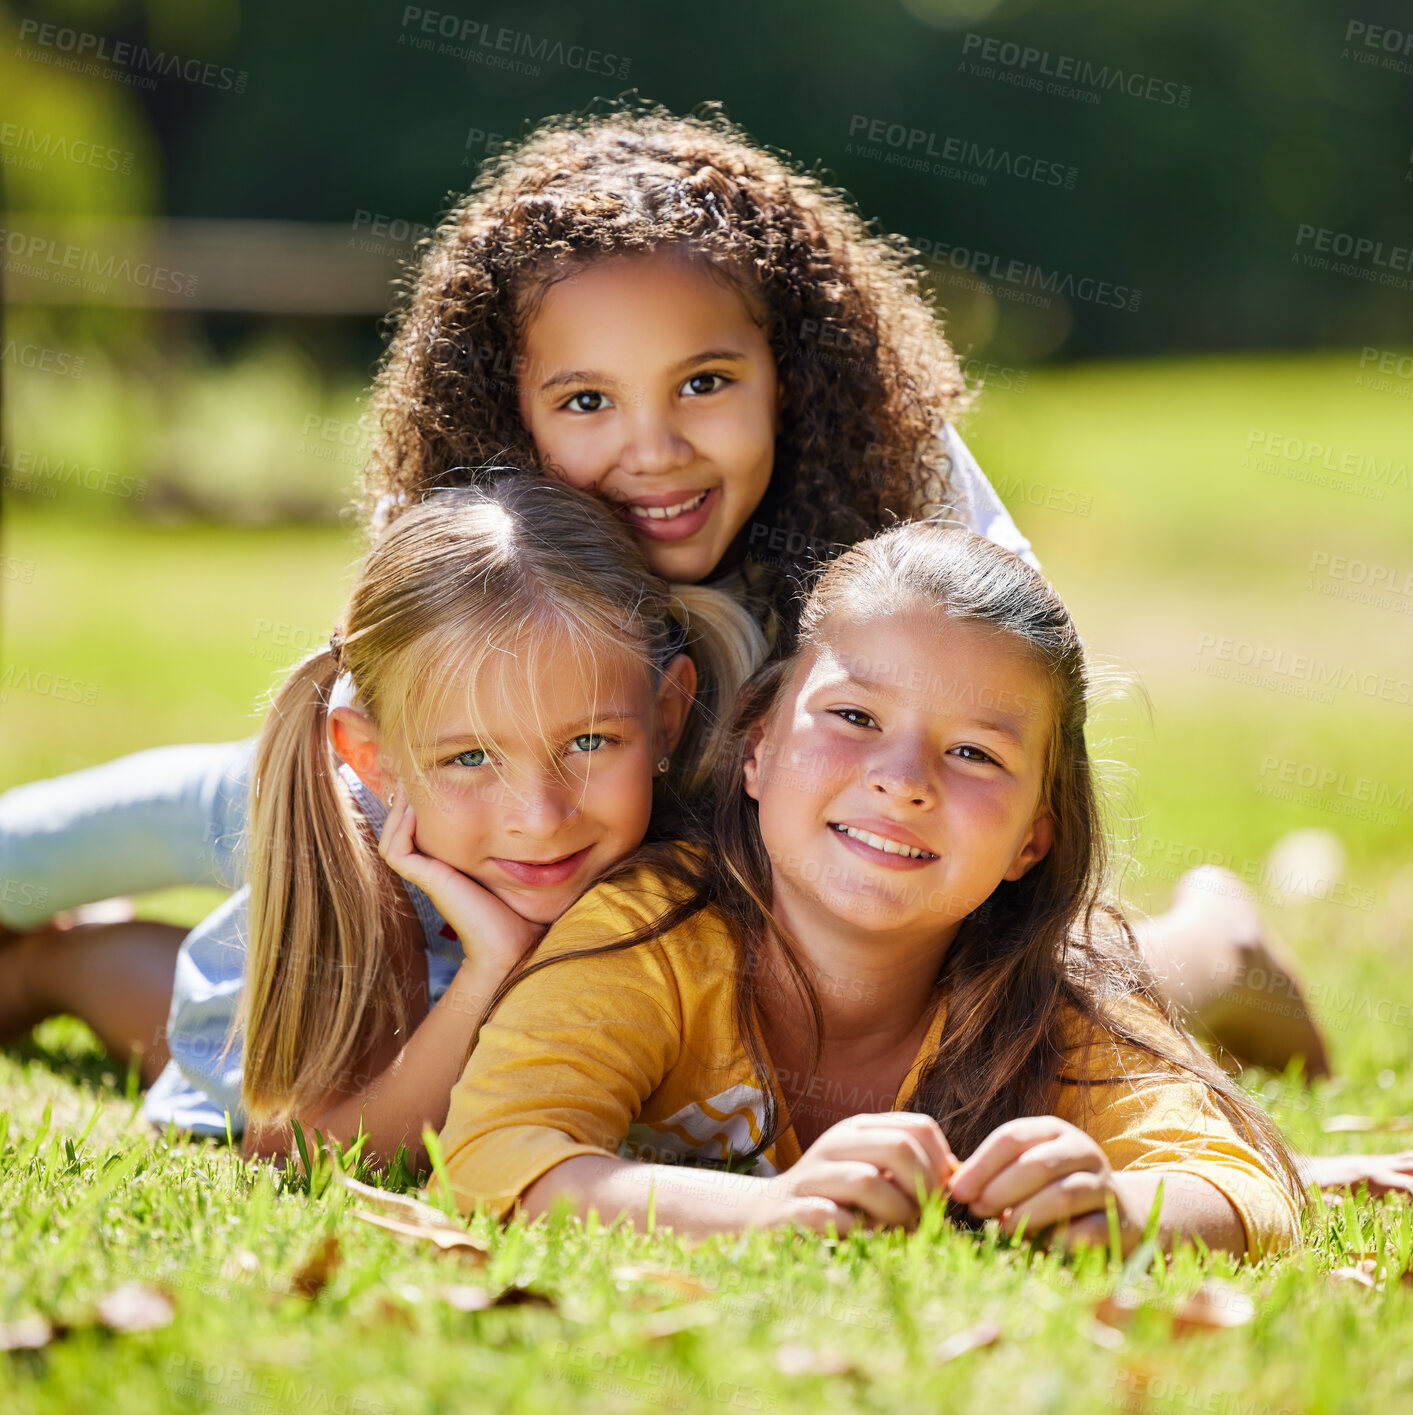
x=493, y=936
x=1041, y=1170
x=868, y=1167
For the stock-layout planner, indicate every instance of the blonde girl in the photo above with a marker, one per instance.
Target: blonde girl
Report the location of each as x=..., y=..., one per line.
x=526, y=699
x=892, y=950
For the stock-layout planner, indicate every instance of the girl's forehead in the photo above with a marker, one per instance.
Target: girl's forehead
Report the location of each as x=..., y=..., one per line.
x=534, y=685
x=920, y=658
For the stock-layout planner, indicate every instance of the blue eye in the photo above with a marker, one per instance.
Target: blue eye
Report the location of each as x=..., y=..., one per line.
x=587, y=401
x=716, y=381
x=597, y=738
x=461, y=758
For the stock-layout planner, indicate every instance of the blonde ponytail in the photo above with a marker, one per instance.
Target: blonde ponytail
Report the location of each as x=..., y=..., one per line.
x=318, y=980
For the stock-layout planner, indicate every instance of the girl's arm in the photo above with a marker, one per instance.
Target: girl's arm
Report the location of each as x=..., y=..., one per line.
x=1041, y=1171
x=407, y=1093
x=869, y=1168
x=411, y=1085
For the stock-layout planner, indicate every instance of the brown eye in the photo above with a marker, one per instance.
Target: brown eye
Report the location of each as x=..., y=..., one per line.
x=693, y=387
x=589, y=401
x=849, y=714
x=975, y=754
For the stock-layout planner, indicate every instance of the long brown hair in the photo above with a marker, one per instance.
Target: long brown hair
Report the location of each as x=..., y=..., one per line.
x=1046, y=958
x=866, y=375
x=519, y=563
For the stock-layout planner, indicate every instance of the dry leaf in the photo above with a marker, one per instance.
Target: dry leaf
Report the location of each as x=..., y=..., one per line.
x=447, y=1236
x=797, y=1359
x=135, y=1307
x=402, y=1206
x=1101, y=1334
x=959, y=1343
x=1117, y=1309
x=1364, y=1273
x=467, y=1299
x=683, y=1282
x=1345, y=1124
x=318, y=1268
x=677, y=1319
x=1215, y=1304
x=523, y=1297
x=27, y=1334
x=240, y=1263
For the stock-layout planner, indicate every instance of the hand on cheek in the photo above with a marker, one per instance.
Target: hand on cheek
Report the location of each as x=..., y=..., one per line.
x=1039, y=1170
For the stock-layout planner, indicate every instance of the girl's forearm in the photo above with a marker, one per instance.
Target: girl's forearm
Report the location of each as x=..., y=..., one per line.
x=1192, y=1208
x=693, y=1202
x=412, y=1092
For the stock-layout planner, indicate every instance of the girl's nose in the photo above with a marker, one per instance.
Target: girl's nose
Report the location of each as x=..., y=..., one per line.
x=540, y=806
x=653, y=444
x=901, y=777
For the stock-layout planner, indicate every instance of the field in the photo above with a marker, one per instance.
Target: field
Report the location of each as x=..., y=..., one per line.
x=1233, y=534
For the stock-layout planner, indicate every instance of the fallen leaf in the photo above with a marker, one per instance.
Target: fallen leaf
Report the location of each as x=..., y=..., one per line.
x=467, y=1299
x=135, y=1307
x=27, y=1334
x=1117, y=1309
x=959, y=1343
x=318, y=1268
x=797, y=1359
x=683, y=1282
x=1346, y=1124
x=1364, y=1273
x=523, y=1297
x=447, y=1236
x=1102, y=1334
x=1215, y=1304
x=241, y=1263
x=678, y=1319
x=402, y=1206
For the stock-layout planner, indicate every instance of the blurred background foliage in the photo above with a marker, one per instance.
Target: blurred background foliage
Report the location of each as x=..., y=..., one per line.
x=1262, y=122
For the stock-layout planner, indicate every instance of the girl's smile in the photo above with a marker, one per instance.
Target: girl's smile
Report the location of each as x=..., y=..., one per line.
x=646, y=379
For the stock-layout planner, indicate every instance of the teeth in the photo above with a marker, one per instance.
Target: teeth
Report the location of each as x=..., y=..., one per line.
x=889, y=847
x=668, y=513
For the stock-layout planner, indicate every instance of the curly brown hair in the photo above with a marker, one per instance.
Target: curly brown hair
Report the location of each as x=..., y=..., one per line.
x=866, y=374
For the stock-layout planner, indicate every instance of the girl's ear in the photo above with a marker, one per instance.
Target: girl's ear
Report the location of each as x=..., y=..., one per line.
x=354, y=737
x=1036, y=845
x=675, y=695
x=753, y=763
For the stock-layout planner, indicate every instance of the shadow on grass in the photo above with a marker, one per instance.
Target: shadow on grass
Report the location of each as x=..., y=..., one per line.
x=69, y=1049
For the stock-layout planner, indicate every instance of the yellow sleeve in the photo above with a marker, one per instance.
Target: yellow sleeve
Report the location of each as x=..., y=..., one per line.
x=1148, y=1115
x=564, y=1065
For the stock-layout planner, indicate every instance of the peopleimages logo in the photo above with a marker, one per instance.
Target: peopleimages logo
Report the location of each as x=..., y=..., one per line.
x=945, y=155
x=86, y=52
x=500, y=46
x=1020, y=281
x=1063, y=75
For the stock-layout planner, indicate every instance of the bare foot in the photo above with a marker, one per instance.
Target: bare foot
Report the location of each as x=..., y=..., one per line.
x=1384, y=1174
x=1217, y=959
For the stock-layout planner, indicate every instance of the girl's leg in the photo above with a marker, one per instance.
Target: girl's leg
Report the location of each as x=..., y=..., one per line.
x=1215, y=959
x=115, y=977
x=171, y=815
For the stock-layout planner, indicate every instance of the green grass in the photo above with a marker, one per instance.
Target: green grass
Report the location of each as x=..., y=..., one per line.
x=178, y=631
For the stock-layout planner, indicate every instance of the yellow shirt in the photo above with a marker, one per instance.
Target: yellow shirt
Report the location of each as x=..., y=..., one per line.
x=636, y=1052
